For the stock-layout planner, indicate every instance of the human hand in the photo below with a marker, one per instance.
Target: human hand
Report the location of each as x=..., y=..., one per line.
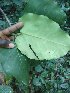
x=5, y=41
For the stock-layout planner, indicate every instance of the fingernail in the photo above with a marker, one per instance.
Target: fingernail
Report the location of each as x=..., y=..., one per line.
x=11, y=45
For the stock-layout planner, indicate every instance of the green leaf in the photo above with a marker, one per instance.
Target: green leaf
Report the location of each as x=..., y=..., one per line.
x=48, y=8
x=15, y=64
x=1, y=68
x=36, y=81
x=65, y=85
x=42, y=38
x=19, y=2
x=5, y=89
x=44, y=74
x=38, y=69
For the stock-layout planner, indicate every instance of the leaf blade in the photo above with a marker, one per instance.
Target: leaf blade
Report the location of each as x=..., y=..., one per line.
x=45, y=37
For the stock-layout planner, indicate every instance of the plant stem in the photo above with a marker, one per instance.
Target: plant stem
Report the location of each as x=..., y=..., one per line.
x=5, y=17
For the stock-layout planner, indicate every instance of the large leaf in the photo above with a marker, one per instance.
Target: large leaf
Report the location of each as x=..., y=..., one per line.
x=15, y=64
x=48, y=8
x=42, y=38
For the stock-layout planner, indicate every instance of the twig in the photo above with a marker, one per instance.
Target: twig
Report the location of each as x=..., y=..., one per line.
x=5, y=17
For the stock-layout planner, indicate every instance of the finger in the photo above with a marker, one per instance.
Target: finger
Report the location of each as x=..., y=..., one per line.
x=5, y=37
x=6, y=44
x=12, y=38
x=11, y=29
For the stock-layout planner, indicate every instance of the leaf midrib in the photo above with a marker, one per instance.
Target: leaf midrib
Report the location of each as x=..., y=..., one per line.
x=44, y=39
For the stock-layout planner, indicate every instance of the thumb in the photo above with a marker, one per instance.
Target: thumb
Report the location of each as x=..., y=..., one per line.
x=6, y=44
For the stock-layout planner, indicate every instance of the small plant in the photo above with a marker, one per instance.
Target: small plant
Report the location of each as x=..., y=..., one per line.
x=40, y=60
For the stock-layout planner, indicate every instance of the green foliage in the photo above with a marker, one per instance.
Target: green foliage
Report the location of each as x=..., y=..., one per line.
x=42, y=38
x=48, y=8
x=15, y=65
x=51, y=77
x=5, y=89
x=48, y=76
x=12, y=10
